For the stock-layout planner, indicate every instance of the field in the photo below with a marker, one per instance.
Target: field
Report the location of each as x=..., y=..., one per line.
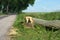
x=38, y=32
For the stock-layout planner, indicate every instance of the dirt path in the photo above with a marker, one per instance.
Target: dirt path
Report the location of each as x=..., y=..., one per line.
x=5, y=24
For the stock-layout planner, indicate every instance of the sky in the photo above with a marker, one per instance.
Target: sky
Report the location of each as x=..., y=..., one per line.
x=44, y=6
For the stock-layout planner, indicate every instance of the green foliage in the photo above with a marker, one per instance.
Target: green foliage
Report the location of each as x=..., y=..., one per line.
x=38, y=32
x=46, y=16
x=14, y=5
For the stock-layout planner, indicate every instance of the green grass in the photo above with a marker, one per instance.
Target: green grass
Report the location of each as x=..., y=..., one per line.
x=38, y=32
x=2, y=14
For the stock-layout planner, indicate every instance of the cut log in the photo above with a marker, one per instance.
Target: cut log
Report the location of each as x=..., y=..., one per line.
x=54, y=23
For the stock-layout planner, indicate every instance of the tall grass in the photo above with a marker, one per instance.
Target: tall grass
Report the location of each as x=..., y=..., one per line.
x=39, y=32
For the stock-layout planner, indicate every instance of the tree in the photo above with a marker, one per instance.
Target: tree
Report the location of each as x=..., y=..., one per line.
x=14, y=5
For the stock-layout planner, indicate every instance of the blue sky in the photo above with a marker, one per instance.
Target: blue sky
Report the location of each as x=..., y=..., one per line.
x=44, y=6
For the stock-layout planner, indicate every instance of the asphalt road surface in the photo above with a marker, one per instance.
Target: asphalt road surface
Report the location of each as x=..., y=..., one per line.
x=5, y=25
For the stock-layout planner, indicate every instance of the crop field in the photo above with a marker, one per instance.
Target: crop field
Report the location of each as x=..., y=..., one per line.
x=38, y=32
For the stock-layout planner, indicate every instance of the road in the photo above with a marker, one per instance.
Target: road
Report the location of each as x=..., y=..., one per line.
x=3, y=16
x=5, y=25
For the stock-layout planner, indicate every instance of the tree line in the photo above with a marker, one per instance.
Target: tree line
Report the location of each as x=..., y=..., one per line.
x=14, y=5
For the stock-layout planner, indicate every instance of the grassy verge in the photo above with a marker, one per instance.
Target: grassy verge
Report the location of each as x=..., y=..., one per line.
x=39, y=32
x=2, y=14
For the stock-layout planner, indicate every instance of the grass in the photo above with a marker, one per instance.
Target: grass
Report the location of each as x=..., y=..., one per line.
x=38, y=32
x=2, y=14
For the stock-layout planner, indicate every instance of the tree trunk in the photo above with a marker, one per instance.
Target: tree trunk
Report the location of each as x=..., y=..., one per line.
x=54, y=23
x=7, y=9
x=2, y=9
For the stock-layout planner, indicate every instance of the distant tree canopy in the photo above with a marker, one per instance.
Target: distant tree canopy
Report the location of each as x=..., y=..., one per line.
x=14, y=5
